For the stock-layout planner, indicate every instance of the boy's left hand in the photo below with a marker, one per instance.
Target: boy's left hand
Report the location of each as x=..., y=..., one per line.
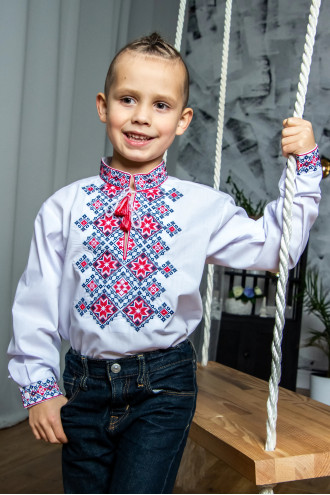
x=297, y=137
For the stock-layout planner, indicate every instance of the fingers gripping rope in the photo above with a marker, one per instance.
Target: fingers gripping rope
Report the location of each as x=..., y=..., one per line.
x=286, y=236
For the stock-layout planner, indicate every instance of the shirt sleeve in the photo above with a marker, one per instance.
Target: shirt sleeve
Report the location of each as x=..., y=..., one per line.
x=34, y=348
x=243, y=243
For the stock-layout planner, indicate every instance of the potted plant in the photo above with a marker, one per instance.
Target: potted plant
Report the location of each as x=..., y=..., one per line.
x=254, y=211
x=317, y=302
x=240, y=299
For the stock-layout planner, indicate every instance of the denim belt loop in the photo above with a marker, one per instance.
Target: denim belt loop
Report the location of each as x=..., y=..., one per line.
x=83, y=381
x=142, y=370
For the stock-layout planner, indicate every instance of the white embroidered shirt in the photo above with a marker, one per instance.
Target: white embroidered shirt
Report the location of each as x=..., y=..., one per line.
x=113, y=293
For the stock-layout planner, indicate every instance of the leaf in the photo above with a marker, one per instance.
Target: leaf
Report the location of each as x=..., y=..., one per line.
x=317, y=301
x=253, y=211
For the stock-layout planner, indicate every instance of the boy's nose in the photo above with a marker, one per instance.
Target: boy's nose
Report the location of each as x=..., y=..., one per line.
x=142, y=115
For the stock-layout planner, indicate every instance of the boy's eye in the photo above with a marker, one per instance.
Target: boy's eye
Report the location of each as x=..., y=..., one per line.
x=127, y=100
x=162, y=106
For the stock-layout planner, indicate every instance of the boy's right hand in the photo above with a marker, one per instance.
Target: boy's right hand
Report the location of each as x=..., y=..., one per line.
x=45, y=420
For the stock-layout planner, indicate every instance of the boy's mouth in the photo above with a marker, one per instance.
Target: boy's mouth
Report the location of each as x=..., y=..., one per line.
x=137, y=137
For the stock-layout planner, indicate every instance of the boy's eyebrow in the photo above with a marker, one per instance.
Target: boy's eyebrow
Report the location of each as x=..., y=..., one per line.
x=126, y=90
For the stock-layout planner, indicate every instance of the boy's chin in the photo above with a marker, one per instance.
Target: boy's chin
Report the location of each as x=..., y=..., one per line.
x=136, y=162
x=140, y=160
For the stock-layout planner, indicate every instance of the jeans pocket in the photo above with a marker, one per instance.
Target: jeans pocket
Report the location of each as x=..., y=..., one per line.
x=71, y=386
x=178, y=378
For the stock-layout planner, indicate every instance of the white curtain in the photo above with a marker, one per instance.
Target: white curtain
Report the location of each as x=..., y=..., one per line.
x=54, y=55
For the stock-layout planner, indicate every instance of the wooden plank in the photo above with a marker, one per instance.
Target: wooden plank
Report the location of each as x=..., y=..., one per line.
x=230, y=422
x=28, y=465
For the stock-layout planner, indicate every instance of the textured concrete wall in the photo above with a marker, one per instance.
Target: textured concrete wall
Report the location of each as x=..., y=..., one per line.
x=267, y=39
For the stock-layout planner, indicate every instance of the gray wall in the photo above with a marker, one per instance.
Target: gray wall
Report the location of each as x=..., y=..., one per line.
x=266, y=47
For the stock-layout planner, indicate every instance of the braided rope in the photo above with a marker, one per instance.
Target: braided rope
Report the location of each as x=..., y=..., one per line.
x=217, y=171
x=286, y=235
x=180, y=24
x=178, y=37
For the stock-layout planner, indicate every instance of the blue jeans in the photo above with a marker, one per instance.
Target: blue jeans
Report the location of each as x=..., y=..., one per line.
x=127, y=420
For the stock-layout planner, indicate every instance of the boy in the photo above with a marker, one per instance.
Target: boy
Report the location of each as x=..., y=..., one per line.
x=115, y=266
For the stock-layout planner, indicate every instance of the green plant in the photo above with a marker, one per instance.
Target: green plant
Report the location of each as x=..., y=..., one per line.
x=317, y=302
x=253, y=211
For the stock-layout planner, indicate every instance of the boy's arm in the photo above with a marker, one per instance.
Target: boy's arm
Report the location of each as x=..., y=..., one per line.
x=34, y=349
x=240, y=242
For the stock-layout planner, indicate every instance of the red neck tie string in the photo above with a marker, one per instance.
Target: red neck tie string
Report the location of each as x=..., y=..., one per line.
x=123, y=210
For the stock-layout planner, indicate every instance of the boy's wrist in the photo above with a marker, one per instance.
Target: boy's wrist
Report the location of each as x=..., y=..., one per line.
x=308, y=162
x=308, y=152
x=40, y=391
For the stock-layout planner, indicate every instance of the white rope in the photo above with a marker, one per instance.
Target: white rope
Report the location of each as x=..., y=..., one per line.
x=267, y=489
x=217, y=171
x=286, y=235
x=179, y=25
x=178, y=36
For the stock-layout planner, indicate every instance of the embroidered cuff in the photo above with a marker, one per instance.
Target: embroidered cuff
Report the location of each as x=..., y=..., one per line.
x=309, y=162
x=39, y=391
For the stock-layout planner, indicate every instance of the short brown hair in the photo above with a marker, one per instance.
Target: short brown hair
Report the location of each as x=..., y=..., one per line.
x=153, y=45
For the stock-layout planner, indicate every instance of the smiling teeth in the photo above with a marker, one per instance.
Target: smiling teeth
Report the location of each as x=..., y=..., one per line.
x=137, y=137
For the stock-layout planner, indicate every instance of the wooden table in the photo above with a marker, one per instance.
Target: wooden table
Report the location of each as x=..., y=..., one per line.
x=230, y=422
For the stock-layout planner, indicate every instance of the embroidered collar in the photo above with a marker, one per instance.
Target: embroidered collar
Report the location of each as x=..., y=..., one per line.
x=142, y=182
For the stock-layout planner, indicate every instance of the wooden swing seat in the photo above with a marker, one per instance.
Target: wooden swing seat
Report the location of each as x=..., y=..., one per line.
x=230, y=422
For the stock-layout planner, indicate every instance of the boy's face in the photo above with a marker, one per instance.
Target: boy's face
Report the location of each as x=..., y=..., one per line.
x=144, y=110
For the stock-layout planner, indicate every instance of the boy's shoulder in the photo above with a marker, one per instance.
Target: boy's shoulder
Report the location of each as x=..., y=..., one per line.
x=196, y=188
x=69, y=192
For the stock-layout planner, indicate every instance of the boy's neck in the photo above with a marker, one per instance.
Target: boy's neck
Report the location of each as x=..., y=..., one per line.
x=131, y=167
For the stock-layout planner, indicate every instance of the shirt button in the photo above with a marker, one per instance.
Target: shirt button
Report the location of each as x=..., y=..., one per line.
x=115, y=368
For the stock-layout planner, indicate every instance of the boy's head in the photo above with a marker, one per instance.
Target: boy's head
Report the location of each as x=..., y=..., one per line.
x=144, y=103
x=152, y=45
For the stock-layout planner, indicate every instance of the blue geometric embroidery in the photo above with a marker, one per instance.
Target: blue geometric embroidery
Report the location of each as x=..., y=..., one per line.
x=138, y=312
x=309, y=162
x=82, y=307
x=172, y=229
x=158, y=247
x=135, y=245
x=115, y=177
x=93, y=285
x=122, y=287
x=141, y=267
x=94, y=243
x=153, y=179
x=174, y=194
x=110, y=190
x=83, y=223
x=168, y=269
x=106, y=264
x=149, y=226
x=153, y=194
x=126, y=287
x=154, y=289
x=165, y=312
x=107, y=224
x=90, y=189
x=164, y=209
x=83, y=263
x=39, y=391
x=103, y=310
x=97, y=204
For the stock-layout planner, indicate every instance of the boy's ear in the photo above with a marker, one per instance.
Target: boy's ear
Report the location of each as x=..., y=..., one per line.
x=184, y=121
x=101, y=105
